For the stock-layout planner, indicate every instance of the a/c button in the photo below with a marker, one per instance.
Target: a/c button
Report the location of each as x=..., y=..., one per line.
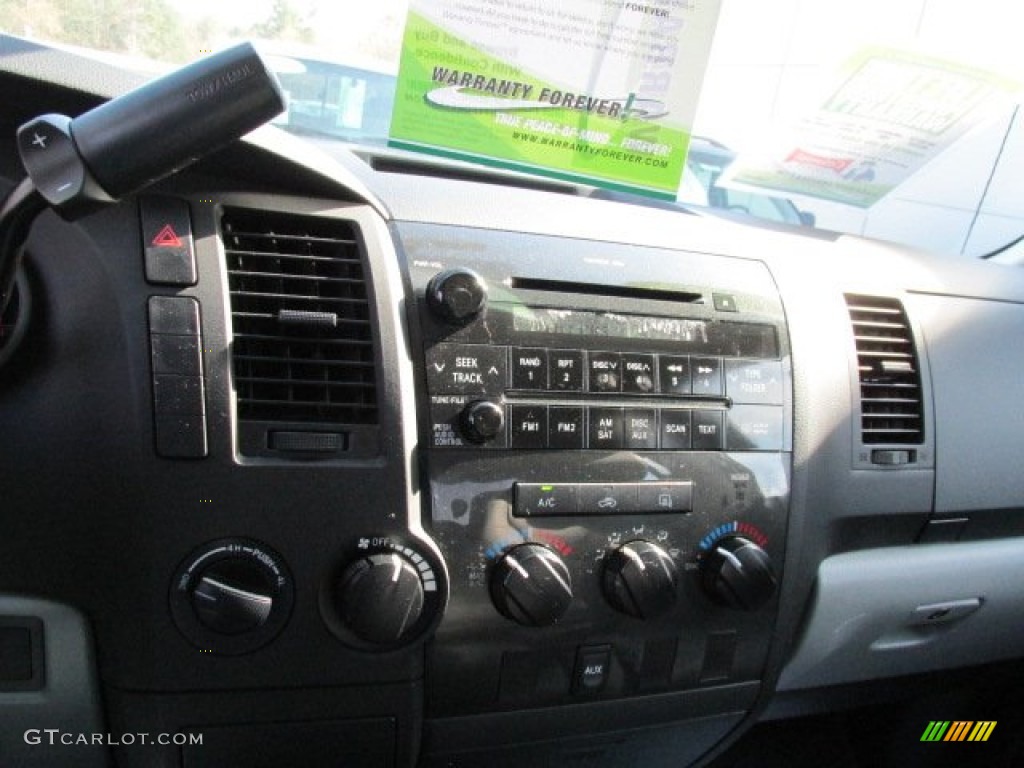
x=544, y=499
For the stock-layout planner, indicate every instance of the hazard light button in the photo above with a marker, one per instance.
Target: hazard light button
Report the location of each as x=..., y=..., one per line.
x=167, y=241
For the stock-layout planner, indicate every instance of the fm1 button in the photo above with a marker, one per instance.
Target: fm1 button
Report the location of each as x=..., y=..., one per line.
x=592, y=663
x=544, y=499
x=529, y=426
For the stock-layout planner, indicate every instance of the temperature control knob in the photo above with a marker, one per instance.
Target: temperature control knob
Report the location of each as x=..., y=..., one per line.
x=482, y=420
x=738, y=573
x=531, y=585
x=456, y=295
x=640, y=579
x=380, y=598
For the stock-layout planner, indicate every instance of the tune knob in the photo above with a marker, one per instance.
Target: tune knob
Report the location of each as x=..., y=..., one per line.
x=380, y=598
x=640, y=579
x=531, y=585
x=456, y=295
x=738, y=573
x=482, y=420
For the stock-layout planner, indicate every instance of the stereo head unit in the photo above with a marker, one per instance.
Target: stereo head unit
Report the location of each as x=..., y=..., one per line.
x=607, y=446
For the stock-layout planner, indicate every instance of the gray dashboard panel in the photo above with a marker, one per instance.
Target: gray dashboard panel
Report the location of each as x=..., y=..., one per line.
x=901, y=610
x=976, y=381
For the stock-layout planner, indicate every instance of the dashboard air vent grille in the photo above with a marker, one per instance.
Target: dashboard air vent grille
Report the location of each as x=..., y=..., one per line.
x=302, y=340
x=890, y=378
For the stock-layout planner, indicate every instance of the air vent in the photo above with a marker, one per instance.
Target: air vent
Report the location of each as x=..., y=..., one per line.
x=302, y=341
x=890, y=379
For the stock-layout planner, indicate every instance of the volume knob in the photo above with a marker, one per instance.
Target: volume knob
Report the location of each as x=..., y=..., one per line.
x=531, y=585
x=456, y=295
x=482, y=420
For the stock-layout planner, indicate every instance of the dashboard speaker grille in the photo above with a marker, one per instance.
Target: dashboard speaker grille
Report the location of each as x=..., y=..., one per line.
x=890, y=377
x=302, y=346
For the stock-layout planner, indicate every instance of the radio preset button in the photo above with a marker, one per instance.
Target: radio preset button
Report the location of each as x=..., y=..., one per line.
x=638, y=374
x=641, y=428
x=528, y=427
x=674, y=375
x=706, y=375
x=565, y=427
x=566, y=370
x=604, y=426
x=607, y=498
x=707, y=431
x=675, y=430
x=467, y=369
x=605, y=372
x=529, y=368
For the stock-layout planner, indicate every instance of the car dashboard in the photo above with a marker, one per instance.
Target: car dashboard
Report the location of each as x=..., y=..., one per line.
x=368, y=460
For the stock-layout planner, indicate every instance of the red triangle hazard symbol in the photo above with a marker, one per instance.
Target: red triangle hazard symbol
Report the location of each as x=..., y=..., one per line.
x=167, y=238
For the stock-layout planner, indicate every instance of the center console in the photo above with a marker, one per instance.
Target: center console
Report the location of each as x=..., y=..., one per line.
x=607, y=442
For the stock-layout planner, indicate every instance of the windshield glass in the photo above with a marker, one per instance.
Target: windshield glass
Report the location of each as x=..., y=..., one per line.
x=896, y=120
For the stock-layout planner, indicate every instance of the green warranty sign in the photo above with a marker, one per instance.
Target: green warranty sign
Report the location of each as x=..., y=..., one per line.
x=590, y=91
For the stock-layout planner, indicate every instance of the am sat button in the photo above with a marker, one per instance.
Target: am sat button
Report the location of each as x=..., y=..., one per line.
x=544, y=499
x=605, y=428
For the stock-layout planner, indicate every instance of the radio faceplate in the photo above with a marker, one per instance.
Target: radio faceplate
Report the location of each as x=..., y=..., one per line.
x=607, y=452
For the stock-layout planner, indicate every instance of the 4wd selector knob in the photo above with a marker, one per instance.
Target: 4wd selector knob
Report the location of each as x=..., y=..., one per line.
x=531, y=585
x=456, y=295
x=640, y=579
x=738, y=573
x=482, y=420
x=380, y=598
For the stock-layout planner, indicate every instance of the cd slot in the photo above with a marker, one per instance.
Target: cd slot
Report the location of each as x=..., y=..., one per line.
x=614, y=291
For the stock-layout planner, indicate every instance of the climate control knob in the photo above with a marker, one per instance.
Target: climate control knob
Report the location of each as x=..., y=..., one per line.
x=530, y=584
x=456, y=295
x=380, y=597
x=482, y=420
x=640, y=579
x=738, y=573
